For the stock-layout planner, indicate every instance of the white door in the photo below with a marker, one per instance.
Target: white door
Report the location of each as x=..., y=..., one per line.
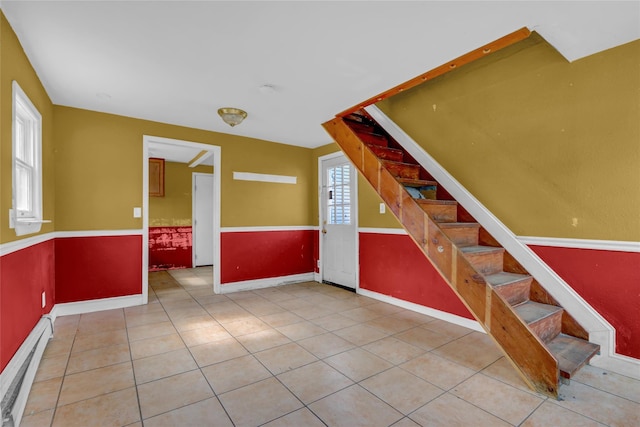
x=338, y=221
x=202, y=227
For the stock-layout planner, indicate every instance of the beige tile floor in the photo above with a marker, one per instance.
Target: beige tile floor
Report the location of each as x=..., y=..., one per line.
x=298, y=355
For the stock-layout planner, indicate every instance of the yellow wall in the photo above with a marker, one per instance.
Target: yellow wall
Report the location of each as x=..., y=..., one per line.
x=552, y=148
x=174, y=209
x=99, y=173
x=14, y=65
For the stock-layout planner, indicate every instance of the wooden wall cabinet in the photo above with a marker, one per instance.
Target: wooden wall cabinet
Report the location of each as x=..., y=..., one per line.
x=156, y=177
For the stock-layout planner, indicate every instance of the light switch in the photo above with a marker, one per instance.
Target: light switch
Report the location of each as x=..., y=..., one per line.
x=383, y=208
x=137, y=212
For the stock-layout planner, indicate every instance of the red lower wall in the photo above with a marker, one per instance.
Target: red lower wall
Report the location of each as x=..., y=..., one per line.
x=609, y=281
x=24, y=275
x=254, y=255
x=392, y=265
x=170, y=247
x=89, y=268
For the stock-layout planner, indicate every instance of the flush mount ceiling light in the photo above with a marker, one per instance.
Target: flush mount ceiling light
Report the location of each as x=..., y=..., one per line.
x=232, y=116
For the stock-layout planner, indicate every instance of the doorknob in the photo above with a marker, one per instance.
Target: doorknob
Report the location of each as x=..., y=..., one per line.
x=324, y=231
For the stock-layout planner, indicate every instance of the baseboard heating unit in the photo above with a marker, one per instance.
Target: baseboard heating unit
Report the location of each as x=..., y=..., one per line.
x=18, y=376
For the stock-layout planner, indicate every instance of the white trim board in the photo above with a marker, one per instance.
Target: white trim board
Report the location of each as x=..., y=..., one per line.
x=267, y=228
x=601, y=245
x=17, y=245
x=90, y=306
x=9, y=247
x=249, y=285
x=263, y=177
x=438, y=314
x=98, y=233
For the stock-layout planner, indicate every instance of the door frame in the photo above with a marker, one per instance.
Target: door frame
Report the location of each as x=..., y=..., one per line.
x=322, y=214
x=193, y=212
x=217, y=162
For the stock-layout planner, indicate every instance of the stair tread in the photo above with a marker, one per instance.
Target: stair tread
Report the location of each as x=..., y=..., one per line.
x=505, y=278
x=531, y=311
x=481, y=249
x=408, y=182
x=436, y=202
x=386, y=153
x=385, y=148
x=400, y=163
x=459, y=225
x=572, y=353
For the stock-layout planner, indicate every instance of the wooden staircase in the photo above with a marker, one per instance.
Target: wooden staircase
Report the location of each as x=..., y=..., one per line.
x=537, y=335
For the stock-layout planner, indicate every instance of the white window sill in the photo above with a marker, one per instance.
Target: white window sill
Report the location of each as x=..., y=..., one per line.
x=28, y=225
x=33, y=221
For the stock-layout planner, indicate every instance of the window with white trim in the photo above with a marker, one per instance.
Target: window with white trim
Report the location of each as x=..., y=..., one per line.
x=26, y=212
x=339, y=195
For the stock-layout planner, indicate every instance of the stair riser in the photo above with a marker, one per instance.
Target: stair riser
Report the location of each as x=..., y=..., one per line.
x=515, y=293
x=373, y=139
x=486, y=263
x=462, y=236
x=549, y=327
x=387, y=153
x=441, y=213
x=403, y=170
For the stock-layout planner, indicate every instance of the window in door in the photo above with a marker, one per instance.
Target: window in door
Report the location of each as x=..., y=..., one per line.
x=339, y=195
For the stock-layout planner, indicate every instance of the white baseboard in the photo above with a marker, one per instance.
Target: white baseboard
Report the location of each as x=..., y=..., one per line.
x=438, y=314
x=317, y=277
x=618, y=363
x=249, y=285
x=81, y=307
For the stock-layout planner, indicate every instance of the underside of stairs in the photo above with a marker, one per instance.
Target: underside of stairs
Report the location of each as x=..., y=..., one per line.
x=542, y=340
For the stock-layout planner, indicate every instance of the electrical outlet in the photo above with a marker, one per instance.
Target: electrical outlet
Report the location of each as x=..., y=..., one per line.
x=383, y=208
x=44, y=299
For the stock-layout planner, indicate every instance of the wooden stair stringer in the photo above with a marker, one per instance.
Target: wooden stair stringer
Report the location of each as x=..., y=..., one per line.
x=527, y=353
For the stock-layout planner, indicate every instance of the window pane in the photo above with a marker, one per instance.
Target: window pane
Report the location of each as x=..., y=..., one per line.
x=24, y=186
x=24, y=142
x=338, y=195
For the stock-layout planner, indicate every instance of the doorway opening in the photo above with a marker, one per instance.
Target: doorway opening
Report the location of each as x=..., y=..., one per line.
x=191, y=154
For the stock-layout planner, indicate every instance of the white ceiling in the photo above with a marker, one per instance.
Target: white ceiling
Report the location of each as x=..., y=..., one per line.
x=178, y=62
